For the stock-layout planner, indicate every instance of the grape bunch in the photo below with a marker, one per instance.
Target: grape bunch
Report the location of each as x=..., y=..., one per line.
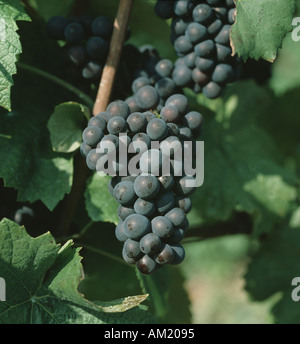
x=85, y=46
x=152, y=204
x=200, y=33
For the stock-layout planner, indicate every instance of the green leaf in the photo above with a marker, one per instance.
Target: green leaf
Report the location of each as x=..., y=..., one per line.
x=157, y=286
x=100, y=204
x=66, y=125
x=260, y=27
x=48, y=9
x=42, y=280
x=272, y=270
x=10, y=46
x=252, y=178
x=286, y=71
x=28, y=162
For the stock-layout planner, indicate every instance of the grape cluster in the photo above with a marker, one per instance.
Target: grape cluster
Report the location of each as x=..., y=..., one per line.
x=85, y=46
x=152, y=205
x=200, y=33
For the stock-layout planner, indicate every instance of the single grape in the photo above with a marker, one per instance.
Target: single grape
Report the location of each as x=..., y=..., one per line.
x=183, y=45
x=157, y=129
x=146, y=265
x=181, y=186
x=85, y=149
x=124, y=193
x=190, y=60
x=139, y=83
x=182, y=76
x=182, y=7
x=147, y=98
x=165, y=256
x=176, y=216
x=92, y=71
x=215, y=27
x=177, y=236
x=180, y=101
x=223, y=52
x=164, y=9
x=119, y=232
x=142, y=137
x=137, y=122
x=127, y=259
x=143, y=207
x=200, y=77
x=171, y=147
x=205, y=49
x=74, y=33
x=173, y=129
x=56, y=27
x=193, y=120
x=103, y=27
x=150, y=244
x=146, y=187
x=221, y=13
x=97, y=121
x=124, y=212
x=223, y=73
x=184, y=203
x=166, y=182
x=165, y=202
x=116, y=125
x=165, y=87
x=132, y=104
x=179, y=254
x=170, y=113
x=136, y=226
x=205, y=65
x=231, y=15
x=179, y=25
x=149, y=115
x=162, y=227
x=92, y=159
x=212, y=90
x=202, y=13
x=164, y=68
x=118, y=108
x=223, y=36
x=109, y=144
x=185, y=133
x=97, y=48
x=77, y=55
x=132, y=249
x=92, y=135
x=196, y=32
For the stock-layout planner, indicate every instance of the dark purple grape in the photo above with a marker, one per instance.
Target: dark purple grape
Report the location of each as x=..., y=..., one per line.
x=150, y=244
x=136, y=226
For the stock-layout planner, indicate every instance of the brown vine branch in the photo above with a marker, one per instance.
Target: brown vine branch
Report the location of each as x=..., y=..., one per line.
x=102, y=100
x=111, y=67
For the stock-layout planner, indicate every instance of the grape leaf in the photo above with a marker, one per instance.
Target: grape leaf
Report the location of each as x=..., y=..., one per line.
x=260, y=27
x=252, y=178
x=66, y=125
x=272, y=270
x=42, y=280
x=10, y=46
x=28, y=163
x=100, y=204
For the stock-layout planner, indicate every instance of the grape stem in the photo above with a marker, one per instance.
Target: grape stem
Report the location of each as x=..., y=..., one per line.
x=88, y=101
x=112, y=62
